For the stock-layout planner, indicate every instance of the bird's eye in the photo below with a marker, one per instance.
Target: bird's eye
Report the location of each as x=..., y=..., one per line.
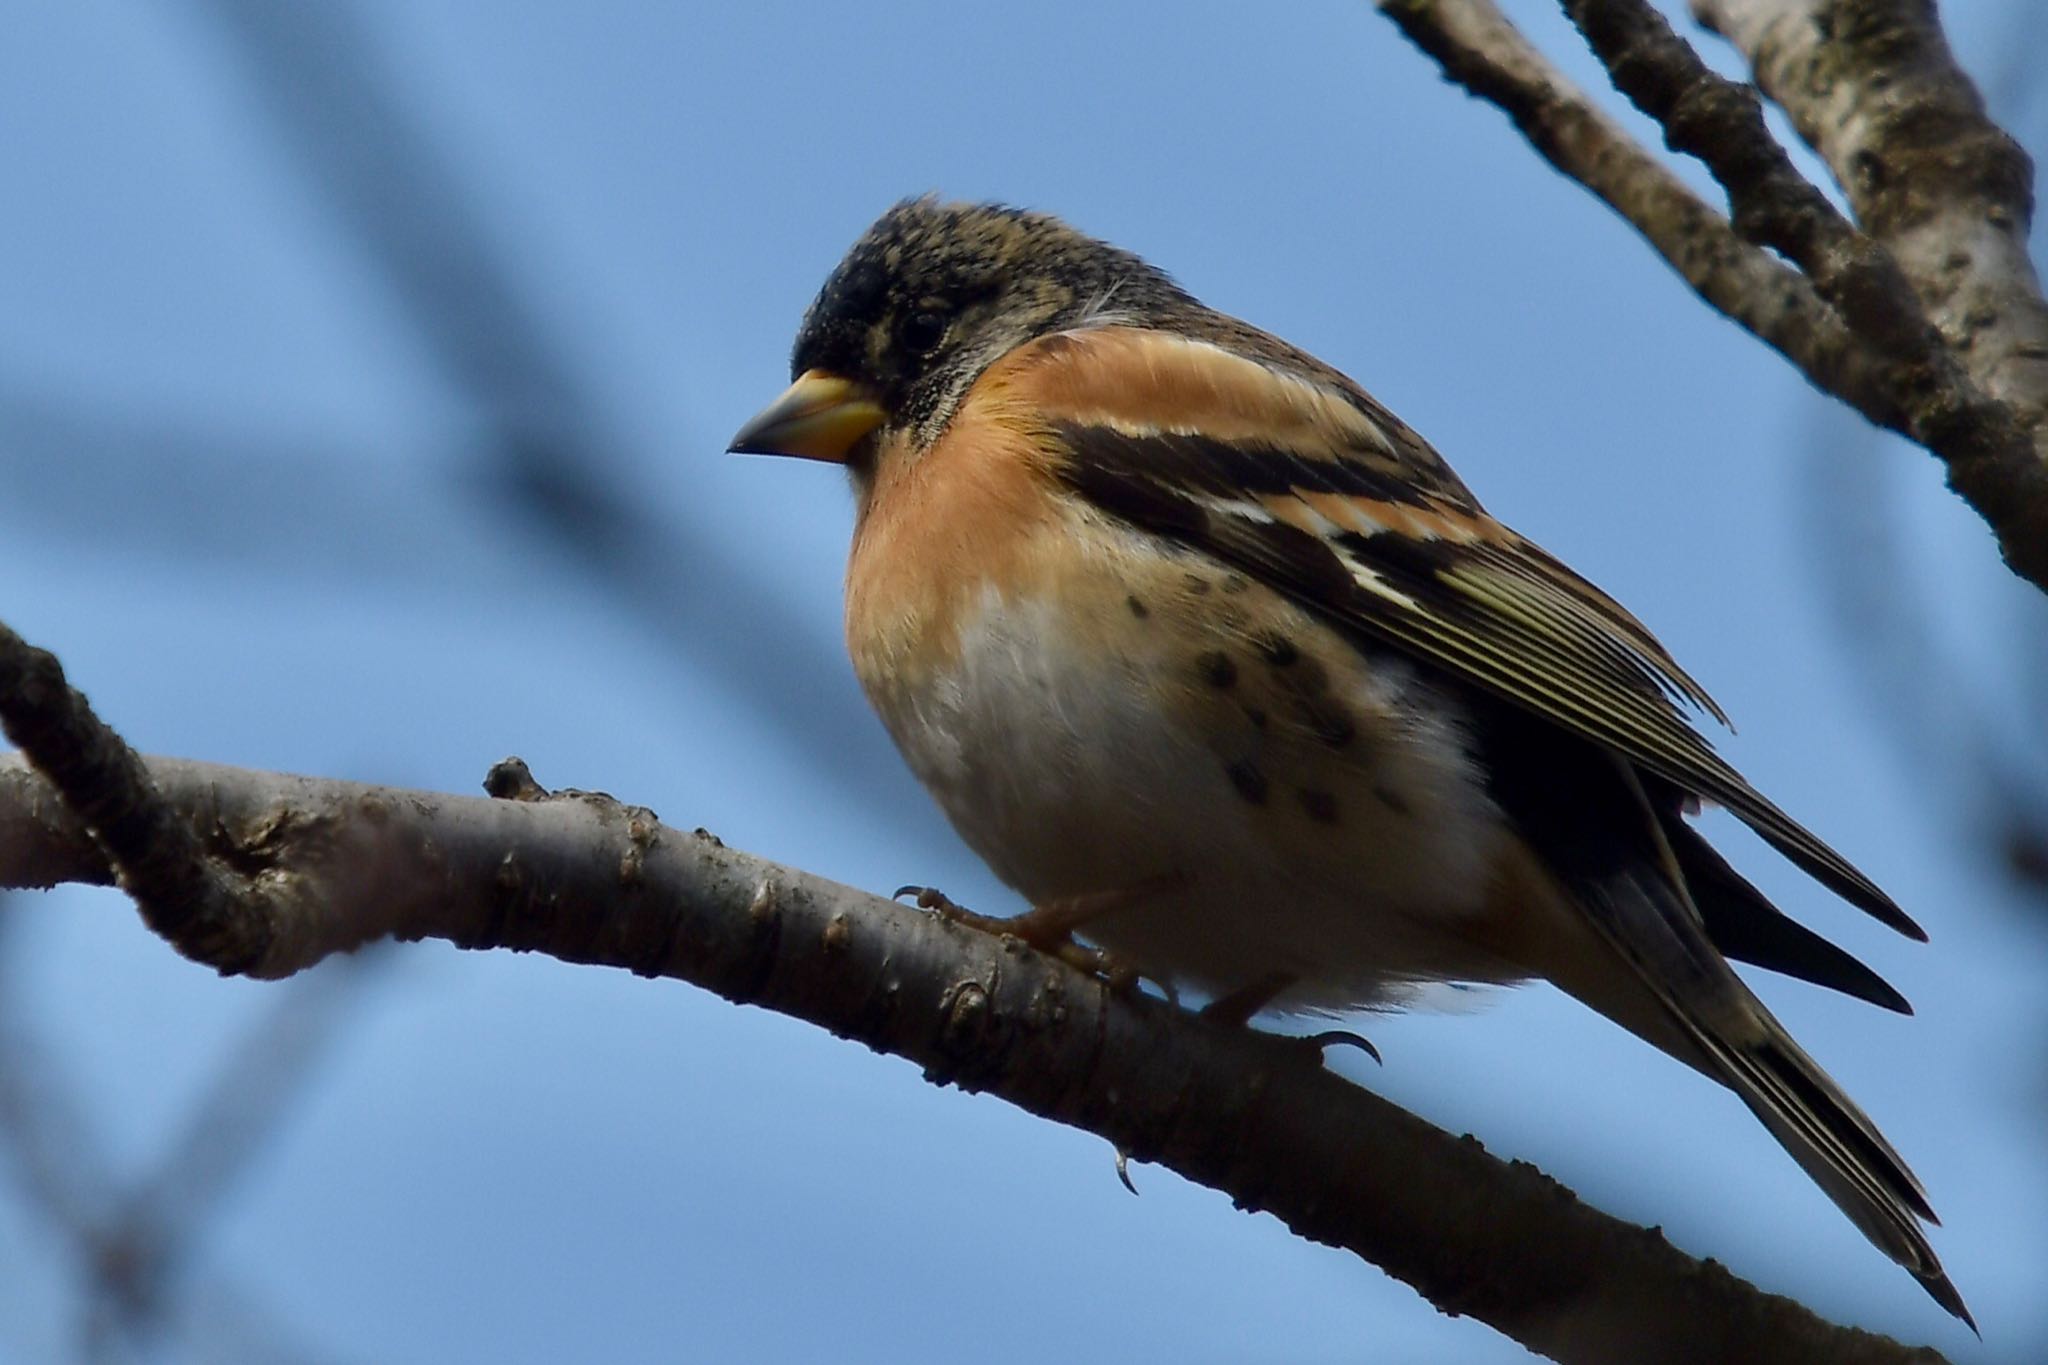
x=921, y=332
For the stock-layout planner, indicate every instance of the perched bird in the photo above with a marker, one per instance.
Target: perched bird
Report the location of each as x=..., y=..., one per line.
x=1216, y=661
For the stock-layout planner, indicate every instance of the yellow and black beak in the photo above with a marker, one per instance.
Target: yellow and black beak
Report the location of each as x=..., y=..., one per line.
x=819, y=417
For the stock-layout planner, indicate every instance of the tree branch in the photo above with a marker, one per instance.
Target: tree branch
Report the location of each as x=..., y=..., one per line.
x=1480, y=49
x=1872, y=86
x=327, y=866
x=183, y=896
x=1863, y=332
x=1996, y=451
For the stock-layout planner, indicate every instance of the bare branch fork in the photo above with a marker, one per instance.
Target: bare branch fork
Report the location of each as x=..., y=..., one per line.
x=265, y=874
x=1925, y=315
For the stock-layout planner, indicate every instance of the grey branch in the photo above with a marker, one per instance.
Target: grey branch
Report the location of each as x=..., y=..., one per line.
x=311, y=867
x=1872, y=86
x=1947, y=334
x=1480, y=49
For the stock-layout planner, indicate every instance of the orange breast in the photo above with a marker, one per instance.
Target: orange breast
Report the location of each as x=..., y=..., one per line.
x=937, y=531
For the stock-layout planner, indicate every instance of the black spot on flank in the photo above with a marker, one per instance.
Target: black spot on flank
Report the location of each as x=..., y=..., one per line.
x=1217, y=669
x=1393, y=800
x=1198, y=585
x=1236, y=583
x=1309, y=677
x=1320, y=805
x=1330, y=724
x=1138, y=609
x=1278, y=650
x=1249, y=781
x=1256, y=716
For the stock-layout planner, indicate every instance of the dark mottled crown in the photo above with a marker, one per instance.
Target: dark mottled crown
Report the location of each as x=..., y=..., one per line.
x=995, y=276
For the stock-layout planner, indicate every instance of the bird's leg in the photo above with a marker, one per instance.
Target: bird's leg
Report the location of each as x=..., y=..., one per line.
x=1237, y=1008
x=1049, y=925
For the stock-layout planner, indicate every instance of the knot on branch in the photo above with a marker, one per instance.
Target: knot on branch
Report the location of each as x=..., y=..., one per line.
x=204, y=911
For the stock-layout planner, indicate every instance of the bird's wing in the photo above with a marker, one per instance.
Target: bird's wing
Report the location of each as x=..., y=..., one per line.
x=1259, y=456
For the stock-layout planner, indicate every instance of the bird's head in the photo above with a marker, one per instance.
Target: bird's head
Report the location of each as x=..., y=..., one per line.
x=928, y=299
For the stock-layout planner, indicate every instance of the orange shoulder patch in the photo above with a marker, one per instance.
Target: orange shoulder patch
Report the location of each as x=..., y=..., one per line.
x=1143, y=383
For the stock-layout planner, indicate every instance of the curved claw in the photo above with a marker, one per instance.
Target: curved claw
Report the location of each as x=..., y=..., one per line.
x=1338, y=1037
x=1123, y=1169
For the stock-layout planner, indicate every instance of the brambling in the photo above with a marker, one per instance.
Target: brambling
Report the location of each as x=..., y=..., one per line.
x=1215, y=660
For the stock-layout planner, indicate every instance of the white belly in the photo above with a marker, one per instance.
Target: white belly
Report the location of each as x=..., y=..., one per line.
x=1078, y=768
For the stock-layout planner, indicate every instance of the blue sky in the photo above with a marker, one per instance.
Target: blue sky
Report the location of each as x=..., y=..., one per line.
x=253, y=491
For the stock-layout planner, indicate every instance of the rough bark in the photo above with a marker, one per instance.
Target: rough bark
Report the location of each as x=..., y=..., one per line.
x=1946, y=332
x=588, y=880
x=1872, y=86
x=1480, y=49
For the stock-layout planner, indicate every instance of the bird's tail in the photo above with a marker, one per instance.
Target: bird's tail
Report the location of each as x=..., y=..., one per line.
x=1680, y=994
x=1599, y=896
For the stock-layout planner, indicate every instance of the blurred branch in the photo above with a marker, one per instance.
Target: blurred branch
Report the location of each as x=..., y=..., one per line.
x=1984, y=412
x=255, y=1087
x=338, y=104
x=57, y=1165
x=130, y=1245
x=1952, y=730
x=158, y=485
x=586, y=879
x=555, y=465
x=162, y=484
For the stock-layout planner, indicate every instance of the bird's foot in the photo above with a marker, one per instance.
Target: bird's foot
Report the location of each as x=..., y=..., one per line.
x=1049, y=927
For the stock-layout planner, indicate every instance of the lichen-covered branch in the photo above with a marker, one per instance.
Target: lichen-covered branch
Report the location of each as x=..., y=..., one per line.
x=1872, y=86
x=1480, y=49
x=1996, y=450
x=1946, y=337
x=308, y=867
